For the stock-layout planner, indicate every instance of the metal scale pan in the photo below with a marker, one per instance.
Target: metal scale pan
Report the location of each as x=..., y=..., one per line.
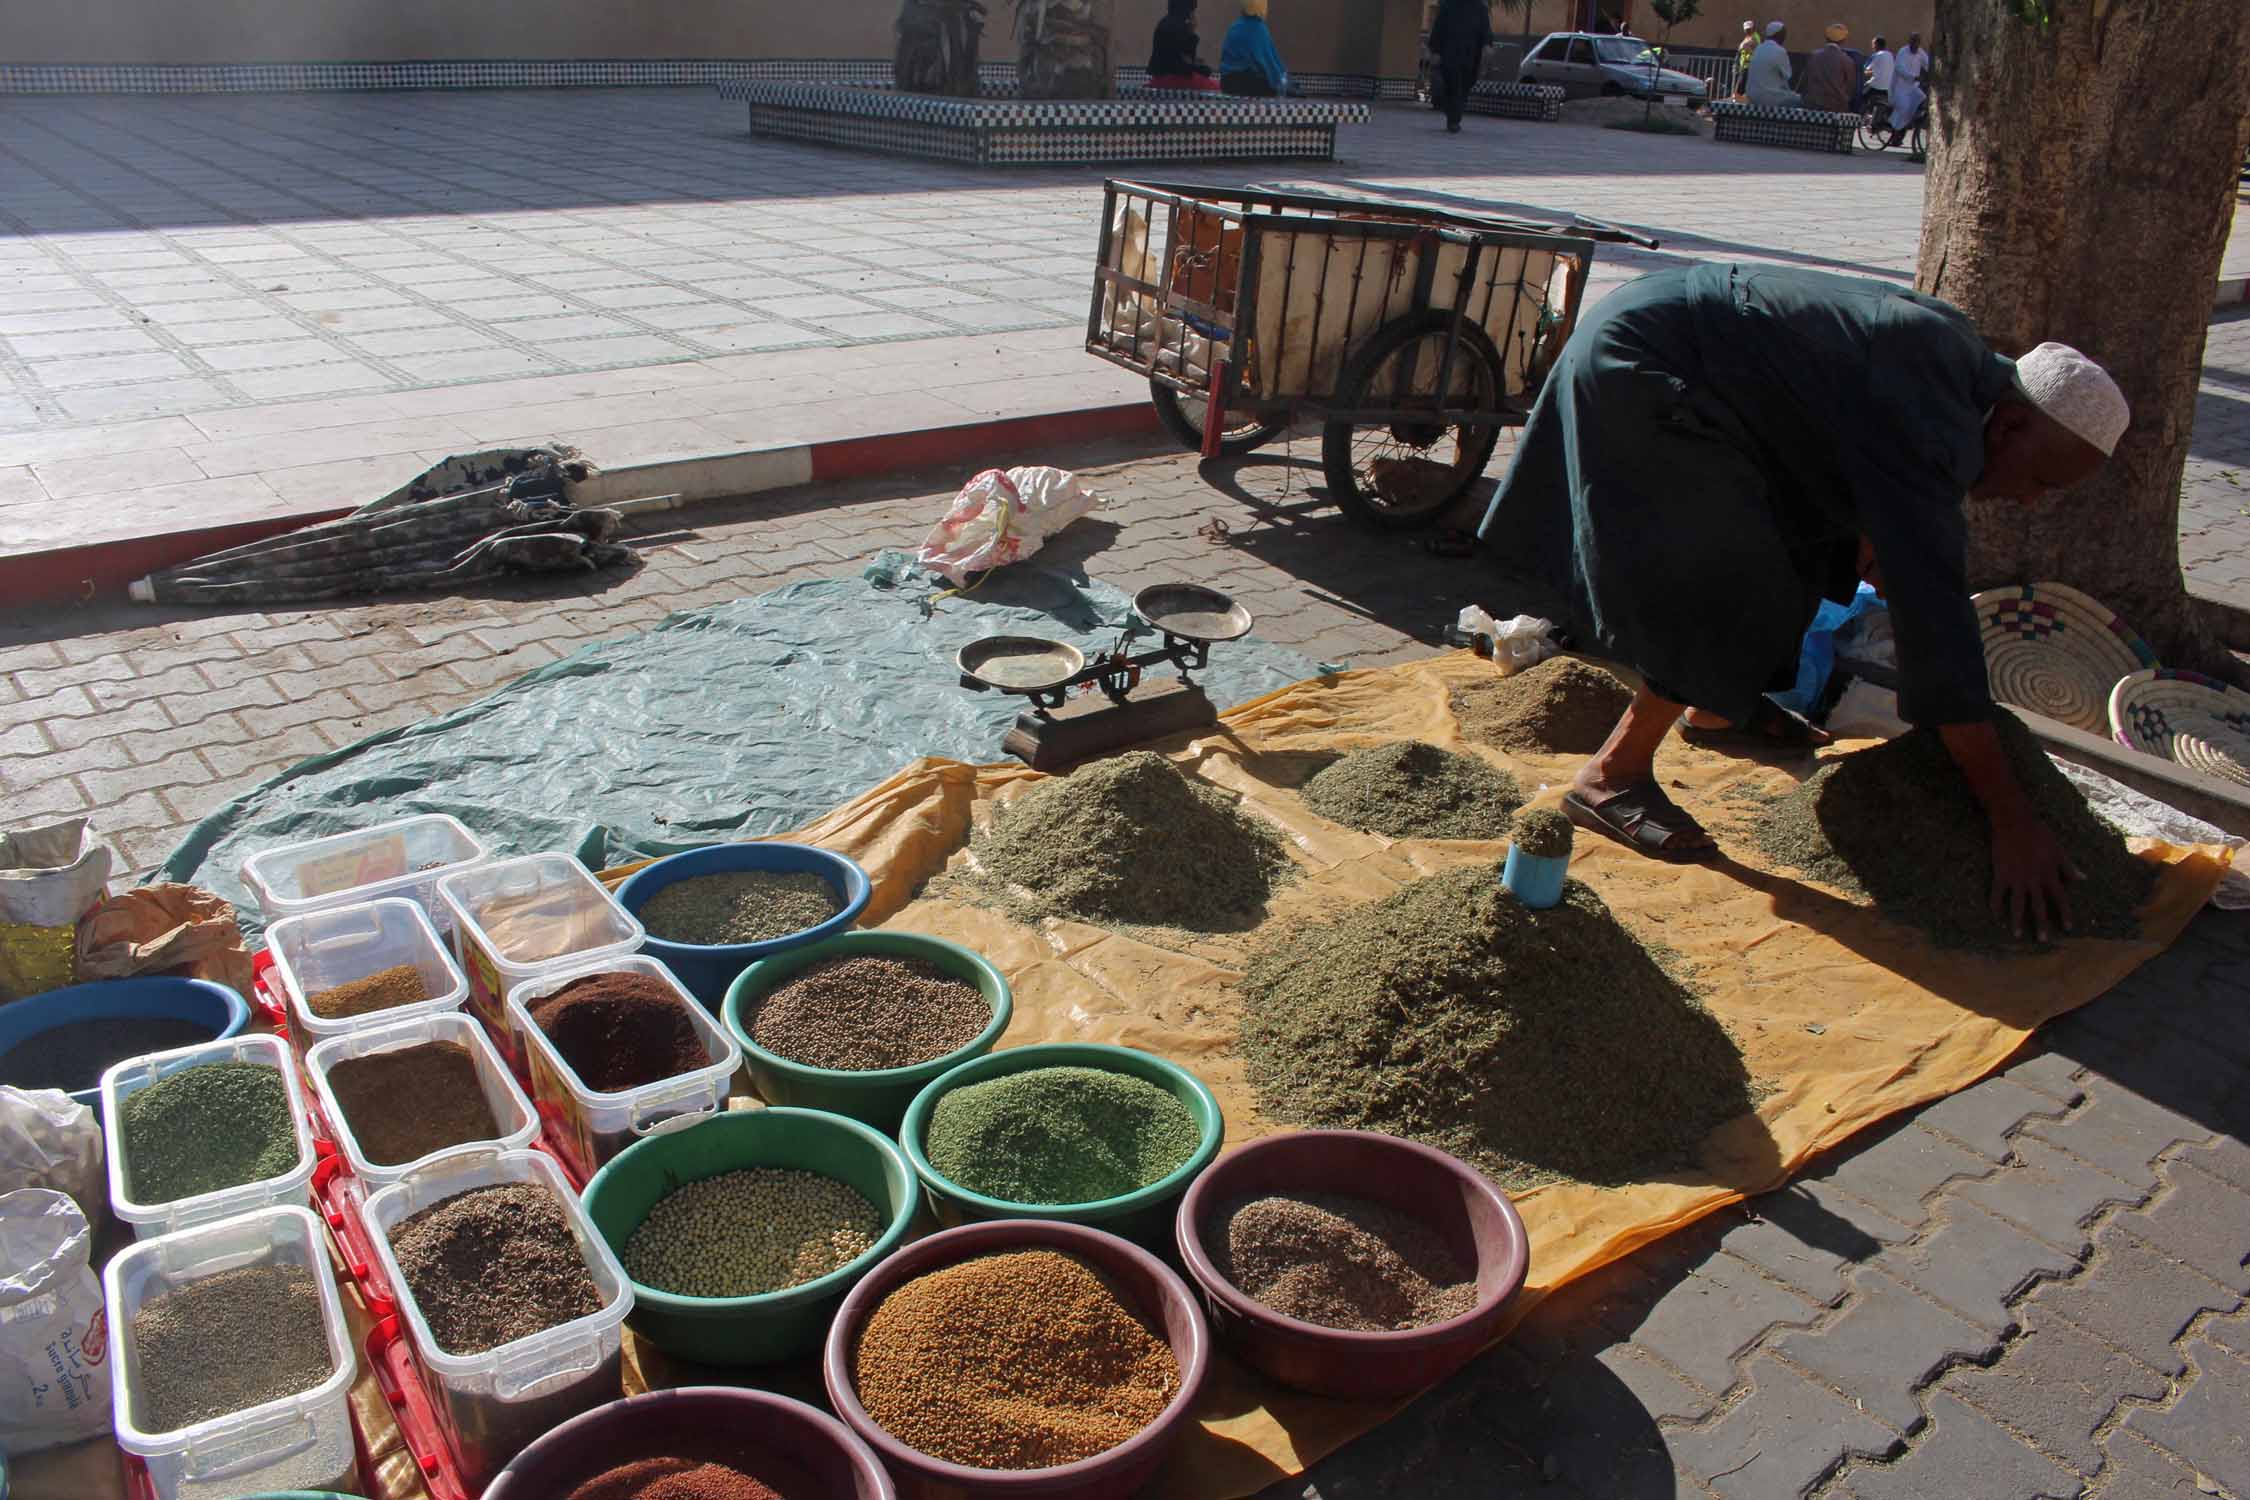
x=1191, y=612
x=1020, y=663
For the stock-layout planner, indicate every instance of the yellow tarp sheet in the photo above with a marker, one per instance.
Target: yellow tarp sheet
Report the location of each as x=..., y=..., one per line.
x=1846, y=1017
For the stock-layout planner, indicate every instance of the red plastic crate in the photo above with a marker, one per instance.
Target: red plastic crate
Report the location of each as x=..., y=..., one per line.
x=265, y=993
x=389, y=1356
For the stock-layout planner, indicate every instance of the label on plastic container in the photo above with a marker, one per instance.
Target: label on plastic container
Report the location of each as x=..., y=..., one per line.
x=487, y=994
x=384, y=859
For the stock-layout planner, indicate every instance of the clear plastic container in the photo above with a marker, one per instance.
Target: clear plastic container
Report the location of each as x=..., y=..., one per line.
x=516, y=919
x=519, y=1125
x=589, y=1126
x=292, y=1188
x=323, y=949
x=406, y=858
x=492, y=1405
x=299, y=1442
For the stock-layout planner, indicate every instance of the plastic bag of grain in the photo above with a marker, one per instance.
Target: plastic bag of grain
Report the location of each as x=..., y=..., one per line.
x=54, y=1337
x=49, y=877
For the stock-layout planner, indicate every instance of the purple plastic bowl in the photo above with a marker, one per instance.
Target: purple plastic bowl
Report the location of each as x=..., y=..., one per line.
x=1159, y=1295
x=1454, y=1199
x=689, y=1419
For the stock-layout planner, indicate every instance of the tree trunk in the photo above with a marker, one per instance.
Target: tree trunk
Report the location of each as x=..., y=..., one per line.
x=1063, y=48
x=937, y=47
x=2081, y=186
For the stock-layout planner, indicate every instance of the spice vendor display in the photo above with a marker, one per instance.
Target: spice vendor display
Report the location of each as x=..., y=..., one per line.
x=212, y=1126
x=699, y=1479
x=385, y=989
x=1895, y=824
x=1018, y=1360
x=1561, y=706
x=739, y=906
x=1342, y=1262
x=1132, y=840
x=226, y=1342
x=622, y=1030
x=74, y=1055
x=1059, y=1135
x=749, y=1232
x=1542, y=833
x=403, y=1105
x=1410, y=790
x=870, y=1011
x=1536, y=1045
x=493, y=1265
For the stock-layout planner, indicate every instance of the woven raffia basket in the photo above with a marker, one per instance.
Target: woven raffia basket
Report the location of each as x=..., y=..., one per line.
x=2188, y=718
x=2051, y=649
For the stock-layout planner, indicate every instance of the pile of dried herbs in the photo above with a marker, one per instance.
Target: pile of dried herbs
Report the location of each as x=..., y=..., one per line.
x=1132, y=840
x=1895, y=824
x=1543, y=833
x=1561, y=706
x=1535, y=1044
x=1410, y=790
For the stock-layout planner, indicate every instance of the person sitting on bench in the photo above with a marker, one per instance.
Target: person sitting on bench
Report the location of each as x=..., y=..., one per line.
x=1249, y=64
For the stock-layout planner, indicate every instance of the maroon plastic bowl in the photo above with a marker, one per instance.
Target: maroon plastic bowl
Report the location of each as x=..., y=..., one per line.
x=1453, y=1198
x=689, y=1420
x=1158, y=1294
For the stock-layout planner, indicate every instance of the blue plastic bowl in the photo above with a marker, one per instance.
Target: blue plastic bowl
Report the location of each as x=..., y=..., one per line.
x=124, y=999
x=708, y=969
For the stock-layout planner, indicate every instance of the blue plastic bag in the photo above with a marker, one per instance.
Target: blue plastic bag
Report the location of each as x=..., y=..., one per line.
x=1816, y=658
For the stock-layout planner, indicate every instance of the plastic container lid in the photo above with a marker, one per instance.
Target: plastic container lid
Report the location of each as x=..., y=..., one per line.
x=292, y=1188
x=322, y=949
x=518, y=1122
x=406, y=858
x=260, y=1443
x=540, y=1374
x=592, y=1126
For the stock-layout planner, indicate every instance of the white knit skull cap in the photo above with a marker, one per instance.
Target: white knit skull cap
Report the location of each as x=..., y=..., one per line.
x=2076, y=392
x=1775, y=28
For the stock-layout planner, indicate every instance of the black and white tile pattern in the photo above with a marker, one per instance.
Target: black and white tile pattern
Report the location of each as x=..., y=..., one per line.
x=1801, y=129
x=1516, y=101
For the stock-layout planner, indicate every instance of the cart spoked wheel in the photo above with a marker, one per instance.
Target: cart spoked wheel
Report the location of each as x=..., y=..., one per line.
x=1404, y=472
x=1182, y=417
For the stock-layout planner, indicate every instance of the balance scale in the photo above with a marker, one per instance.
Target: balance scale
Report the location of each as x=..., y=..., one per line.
x=1056, y=730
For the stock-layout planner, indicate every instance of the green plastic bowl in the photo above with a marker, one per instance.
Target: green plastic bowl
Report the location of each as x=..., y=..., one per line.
x=1144, y=1214
x=773, y=1326
x=878, y=1096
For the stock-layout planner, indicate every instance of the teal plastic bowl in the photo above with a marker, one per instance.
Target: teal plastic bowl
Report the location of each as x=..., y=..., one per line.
x=1144, y=1214
x=773, y=1326
x=878, y=1096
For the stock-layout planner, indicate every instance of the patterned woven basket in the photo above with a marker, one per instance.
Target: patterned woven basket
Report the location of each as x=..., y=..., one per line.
x=2051, y=649
x=2188, y=718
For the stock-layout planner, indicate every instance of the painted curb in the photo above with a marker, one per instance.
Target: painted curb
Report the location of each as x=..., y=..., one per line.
x=99, y=572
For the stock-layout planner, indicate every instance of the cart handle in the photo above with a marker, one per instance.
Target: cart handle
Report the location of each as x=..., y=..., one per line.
x=1601, y=229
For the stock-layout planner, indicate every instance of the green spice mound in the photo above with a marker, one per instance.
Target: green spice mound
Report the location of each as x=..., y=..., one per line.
x=1060, y=1135
x=1561, y=706
x=1132, y=840
x=215, y=1125
x=1895, y=824
x=1535, y=1044
x=1543, y=833
x=1410, y=790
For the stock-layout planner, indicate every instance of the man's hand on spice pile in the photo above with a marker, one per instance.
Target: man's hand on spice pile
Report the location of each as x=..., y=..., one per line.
x=2030, y=873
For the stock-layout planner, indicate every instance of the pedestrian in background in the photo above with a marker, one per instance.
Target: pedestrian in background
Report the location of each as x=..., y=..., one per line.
x=1769, y=72
x=1458, y=37
x=1249, y=63
x=1880, y=66
x=1172, y=59
x=1742, y=55
x=1832, y=74
x=1913, y=63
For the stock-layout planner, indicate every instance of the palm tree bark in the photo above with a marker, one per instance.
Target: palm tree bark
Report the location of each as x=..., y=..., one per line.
x=1063, y=48
x=2081, y=187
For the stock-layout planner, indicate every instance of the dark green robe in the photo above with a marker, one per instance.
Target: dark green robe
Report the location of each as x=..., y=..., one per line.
x=1708, y=451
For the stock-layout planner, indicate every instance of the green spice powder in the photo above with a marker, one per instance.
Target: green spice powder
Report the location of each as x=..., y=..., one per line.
x=215, y=1125
x=1410, y=790
x=1543, y=833
x=1060, y=1135
x=739, y=906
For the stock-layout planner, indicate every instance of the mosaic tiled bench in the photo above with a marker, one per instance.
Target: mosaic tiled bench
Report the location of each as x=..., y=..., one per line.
x=996, y=130
x=1516, y=101
x=547, y=73
x=1803, y=129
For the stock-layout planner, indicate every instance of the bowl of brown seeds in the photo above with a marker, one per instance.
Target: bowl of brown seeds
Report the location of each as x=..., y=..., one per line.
x=712, y=912
x=1351, y=1263
x=858, y=1023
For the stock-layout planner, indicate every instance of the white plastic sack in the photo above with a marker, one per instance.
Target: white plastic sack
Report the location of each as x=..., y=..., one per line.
x=54, y=1338
x=1003, y=516
x=49, y=877
x=2138, y=815
x=47, y=1140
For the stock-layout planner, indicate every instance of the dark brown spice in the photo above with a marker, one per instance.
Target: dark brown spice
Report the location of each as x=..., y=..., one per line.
x=74, y=1055
x=403, y=1105
x=1342, y=1263
x=1561, y=706
x=722, y=1475
x=227, y=1342
x=619, y=1031
x=385, y=989
x=493, y=1265
x=870, y=1011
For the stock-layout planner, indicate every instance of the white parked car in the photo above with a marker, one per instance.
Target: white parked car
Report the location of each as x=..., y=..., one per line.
x=1584, y=64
